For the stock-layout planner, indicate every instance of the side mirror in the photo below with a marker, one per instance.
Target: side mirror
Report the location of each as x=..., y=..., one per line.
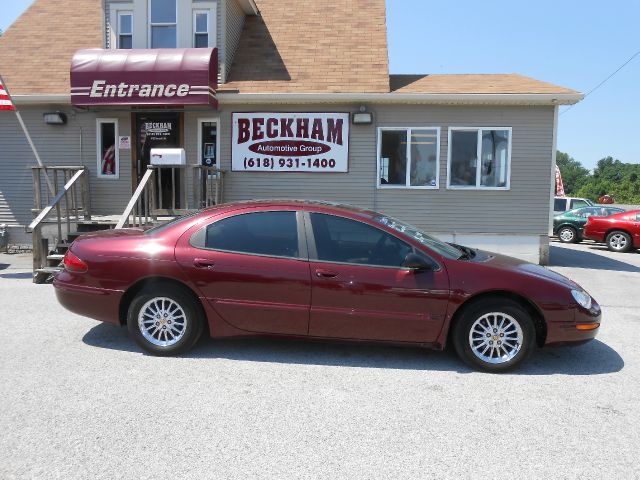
x=416, y=262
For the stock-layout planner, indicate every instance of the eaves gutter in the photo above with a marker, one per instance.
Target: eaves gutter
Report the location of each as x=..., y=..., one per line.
x=43, y=99
x=233, y=98
x=228, y=98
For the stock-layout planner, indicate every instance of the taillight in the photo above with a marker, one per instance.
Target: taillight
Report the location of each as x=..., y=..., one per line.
x=73, y=263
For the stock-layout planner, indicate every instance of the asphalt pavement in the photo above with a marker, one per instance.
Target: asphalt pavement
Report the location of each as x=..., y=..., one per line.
x=80, y=400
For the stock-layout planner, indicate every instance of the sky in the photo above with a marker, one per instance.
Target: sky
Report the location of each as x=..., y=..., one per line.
x=571, y=43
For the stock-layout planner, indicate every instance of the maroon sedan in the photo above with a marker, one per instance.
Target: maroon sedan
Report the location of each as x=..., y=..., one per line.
x=621, y=232
x=319, y=270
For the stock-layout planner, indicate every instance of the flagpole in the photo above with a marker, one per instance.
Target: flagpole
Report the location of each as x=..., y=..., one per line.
x=26, y=133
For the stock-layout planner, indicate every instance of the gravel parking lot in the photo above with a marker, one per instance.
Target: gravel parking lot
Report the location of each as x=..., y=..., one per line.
x=80, y=400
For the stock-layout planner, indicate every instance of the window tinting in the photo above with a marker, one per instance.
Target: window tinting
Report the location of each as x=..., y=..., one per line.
x=260, y=233
x=393, y=158
x=560, y=204
x=342, y=240
x=464, y=157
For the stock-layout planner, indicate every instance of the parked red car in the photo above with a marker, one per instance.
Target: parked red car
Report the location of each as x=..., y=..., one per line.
x=621, y=232
x=312, y=269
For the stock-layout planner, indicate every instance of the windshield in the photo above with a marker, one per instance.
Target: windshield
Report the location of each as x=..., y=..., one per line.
x=433, y=243
x=169, y=223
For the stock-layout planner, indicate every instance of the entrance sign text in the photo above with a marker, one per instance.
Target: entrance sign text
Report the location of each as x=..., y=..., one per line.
x=290, y=142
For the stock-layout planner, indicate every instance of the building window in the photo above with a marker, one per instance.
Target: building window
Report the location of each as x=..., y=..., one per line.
x=408, y=157
x=200, y=28
x=163, y=24
x=125, y=30
x=108, y=158
x=491, y=145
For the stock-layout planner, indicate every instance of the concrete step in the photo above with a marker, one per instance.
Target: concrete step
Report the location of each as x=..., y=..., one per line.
x=55, y=256
x=49, y=270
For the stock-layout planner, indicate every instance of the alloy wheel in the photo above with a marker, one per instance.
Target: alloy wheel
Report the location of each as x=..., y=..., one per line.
x=567, y=235
x=618, y=241
x=162, y=321
x=496, y=338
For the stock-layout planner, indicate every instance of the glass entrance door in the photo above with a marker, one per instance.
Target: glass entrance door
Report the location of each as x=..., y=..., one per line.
x=159, y=130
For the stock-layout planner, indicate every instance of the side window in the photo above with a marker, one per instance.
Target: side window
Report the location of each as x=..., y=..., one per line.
x=342, y=240
x=260, y=233
x=638, y=217
x=578, y=204
x=559, y=205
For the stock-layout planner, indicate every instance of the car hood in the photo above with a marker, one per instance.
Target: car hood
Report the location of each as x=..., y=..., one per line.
x=502, y=262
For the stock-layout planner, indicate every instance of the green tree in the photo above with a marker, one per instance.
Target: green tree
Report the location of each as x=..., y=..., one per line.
x=574, y=175
x=613, y=177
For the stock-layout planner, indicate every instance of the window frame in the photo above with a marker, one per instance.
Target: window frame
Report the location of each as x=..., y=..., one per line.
x=99, y=123
x=313, y=249
x=150, y=26
x=194, y=31
x=119, y=15
x=198, y=238
x=407, y=185
x=478, y=185
x=200, y=122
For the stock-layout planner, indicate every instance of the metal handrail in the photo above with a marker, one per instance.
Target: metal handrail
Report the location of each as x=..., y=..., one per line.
x=135, y=199
x=56, y=200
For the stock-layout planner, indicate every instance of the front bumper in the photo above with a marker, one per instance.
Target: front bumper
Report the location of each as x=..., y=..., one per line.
x=583, y=328
x=97, y=303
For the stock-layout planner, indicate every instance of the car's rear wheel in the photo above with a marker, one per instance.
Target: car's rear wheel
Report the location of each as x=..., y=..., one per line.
x=619, y=241
x=164, y=321
x=568, y=235
x=494, y=335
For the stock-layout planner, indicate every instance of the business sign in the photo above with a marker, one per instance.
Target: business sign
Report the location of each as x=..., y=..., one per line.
x=186, y=76
x=290, y=142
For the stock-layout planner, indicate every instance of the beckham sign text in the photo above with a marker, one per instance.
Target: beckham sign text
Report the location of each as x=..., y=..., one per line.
x=290, y=142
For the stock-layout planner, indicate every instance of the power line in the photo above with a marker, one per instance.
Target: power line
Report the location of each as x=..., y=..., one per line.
x=605, y=80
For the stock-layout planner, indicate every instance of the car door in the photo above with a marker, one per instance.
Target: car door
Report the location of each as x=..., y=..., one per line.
x=635, y=230
x=360, y=290
x=253, y=270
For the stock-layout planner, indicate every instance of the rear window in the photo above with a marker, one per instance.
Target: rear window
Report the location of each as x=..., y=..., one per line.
x=170, y=223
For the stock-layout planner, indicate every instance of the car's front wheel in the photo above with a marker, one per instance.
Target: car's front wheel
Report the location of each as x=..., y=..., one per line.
x=494, y=335
x=164, y=321
x=567, y=235
x=619, y=241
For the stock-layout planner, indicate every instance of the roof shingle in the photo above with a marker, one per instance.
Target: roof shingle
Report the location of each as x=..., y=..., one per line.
x=36, y=51
x=319, y=46
x=474, y=84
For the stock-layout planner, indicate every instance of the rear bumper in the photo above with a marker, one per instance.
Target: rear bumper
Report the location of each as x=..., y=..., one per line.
x=97, y=303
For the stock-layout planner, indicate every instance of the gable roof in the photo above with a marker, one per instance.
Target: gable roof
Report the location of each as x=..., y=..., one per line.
x=511, y=83
x=36, y=51
x=319, y=46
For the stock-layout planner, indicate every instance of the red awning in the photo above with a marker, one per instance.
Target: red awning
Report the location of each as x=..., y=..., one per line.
x=171, y=76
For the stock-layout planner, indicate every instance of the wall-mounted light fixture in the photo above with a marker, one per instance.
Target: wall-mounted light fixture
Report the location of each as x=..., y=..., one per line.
x=55, y=118
x=362, y=117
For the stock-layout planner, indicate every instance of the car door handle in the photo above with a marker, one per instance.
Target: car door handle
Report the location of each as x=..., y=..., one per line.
x=322, y=273
x=203, y=263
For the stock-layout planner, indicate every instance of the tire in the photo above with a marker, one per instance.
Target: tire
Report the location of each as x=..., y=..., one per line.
x=177, y=325
x=568, y=235
x=479, y=320
x=619, y=241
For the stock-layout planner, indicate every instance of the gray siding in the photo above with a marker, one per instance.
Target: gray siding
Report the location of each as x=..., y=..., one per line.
x=524, y=209
x=71, y=144
x=234, y=21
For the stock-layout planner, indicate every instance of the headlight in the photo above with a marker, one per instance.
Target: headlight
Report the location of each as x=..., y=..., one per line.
x=582, y=297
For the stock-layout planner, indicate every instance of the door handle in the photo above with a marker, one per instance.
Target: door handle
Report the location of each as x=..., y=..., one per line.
x=203, y=263
x=322, y=273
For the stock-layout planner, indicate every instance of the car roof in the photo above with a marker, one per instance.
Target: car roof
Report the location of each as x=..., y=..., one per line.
x=292, y=203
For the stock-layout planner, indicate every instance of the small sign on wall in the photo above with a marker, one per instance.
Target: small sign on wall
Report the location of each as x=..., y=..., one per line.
x=124, y=143
x=290, y=142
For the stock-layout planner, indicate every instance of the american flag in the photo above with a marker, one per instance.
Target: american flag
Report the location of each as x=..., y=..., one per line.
x=5, y=100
